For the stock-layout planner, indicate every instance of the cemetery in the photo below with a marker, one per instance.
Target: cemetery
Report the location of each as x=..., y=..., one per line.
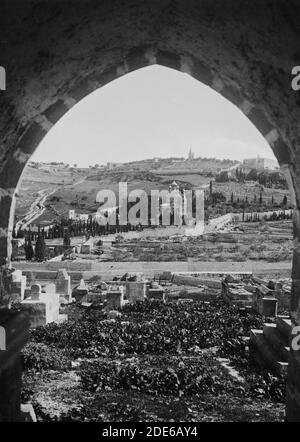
x=155, y=353
x=153, y=340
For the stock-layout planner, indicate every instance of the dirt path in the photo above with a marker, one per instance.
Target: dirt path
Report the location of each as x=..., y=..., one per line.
x=107, y=269
x=36, y=209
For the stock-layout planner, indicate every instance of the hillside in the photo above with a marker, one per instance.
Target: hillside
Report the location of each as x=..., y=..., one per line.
x=37, y=179
x=49, y=191
x=82, y=197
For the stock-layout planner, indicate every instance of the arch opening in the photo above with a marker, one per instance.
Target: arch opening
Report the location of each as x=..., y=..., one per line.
x=139, y=58
x=235, y=49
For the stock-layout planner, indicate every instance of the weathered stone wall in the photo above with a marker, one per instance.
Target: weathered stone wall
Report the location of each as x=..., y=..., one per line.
x=16, y=327
x=56, y=52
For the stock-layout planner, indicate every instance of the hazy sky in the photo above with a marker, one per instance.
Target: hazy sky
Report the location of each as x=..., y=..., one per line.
x=152, y=112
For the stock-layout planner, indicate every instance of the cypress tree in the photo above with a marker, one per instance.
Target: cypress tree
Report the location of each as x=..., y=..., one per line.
x=67, y=239
x=284, y=202
x=40, y=248
x=29, y=253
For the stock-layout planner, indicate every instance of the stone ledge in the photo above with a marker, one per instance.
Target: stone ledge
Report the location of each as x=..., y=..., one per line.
x=16, y=326
x=27, y=413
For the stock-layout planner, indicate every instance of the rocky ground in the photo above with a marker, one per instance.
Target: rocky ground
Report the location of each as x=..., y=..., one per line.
x=270, y=242
x=60, y=397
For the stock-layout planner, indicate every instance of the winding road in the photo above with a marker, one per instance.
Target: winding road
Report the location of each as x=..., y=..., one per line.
x=36, y=209
x=38, y=206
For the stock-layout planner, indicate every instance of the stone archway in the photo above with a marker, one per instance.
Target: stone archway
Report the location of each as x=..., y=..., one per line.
x=60, y=52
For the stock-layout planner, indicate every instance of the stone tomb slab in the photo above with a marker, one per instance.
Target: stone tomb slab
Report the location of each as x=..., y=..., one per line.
x=42, y=308
x=63, y=286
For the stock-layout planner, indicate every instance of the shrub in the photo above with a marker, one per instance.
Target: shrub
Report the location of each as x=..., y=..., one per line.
x=154, y=376
x=38, y=356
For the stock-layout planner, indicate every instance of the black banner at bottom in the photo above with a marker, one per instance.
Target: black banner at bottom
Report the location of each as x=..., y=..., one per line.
x=136, y=430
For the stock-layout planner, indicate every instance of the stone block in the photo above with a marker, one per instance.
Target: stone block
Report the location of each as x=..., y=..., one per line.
x=81, y=291
x=115, y=298
x=95, y=298
x=16, y=276
x=27, y=293
x=35, y=291
x=55, y=111
x=42, y=310
x=268, y=306
x=27, y=413
x=85, y=249
x=63, y=286
x=202, y=72
x=136, y=291
x=16, y=331
x=156, y=293
x=292, y=405
x=259, y=119
x=18, y=289
x=49, y=288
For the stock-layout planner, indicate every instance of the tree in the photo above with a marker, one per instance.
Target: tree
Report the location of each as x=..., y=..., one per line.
x=29, y=253
x=67, y=239
x=40, y=248
x=284, y=201
x=222, y=177
x=252, y=175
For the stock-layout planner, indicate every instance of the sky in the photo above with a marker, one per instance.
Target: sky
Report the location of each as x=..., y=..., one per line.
x=151, y=112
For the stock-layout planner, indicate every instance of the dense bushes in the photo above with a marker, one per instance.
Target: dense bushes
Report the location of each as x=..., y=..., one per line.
x=155, y=376
x=169, y=376
x=261, y=383
x=148, y=328
x=38, y=356
x=156, y=349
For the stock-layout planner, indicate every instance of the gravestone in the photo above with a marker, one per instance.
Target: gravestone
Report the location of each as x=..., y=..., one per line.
x=115, y=298
x=268, y=306
x=81, y=291
x=35, y=291
x=18, y=285
x=136, y=291
x=156, y=291
x=63, y=286
x=2, y=339
x=82, y=287
x=85, y=249
x=27, y=413
x=42, y=308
